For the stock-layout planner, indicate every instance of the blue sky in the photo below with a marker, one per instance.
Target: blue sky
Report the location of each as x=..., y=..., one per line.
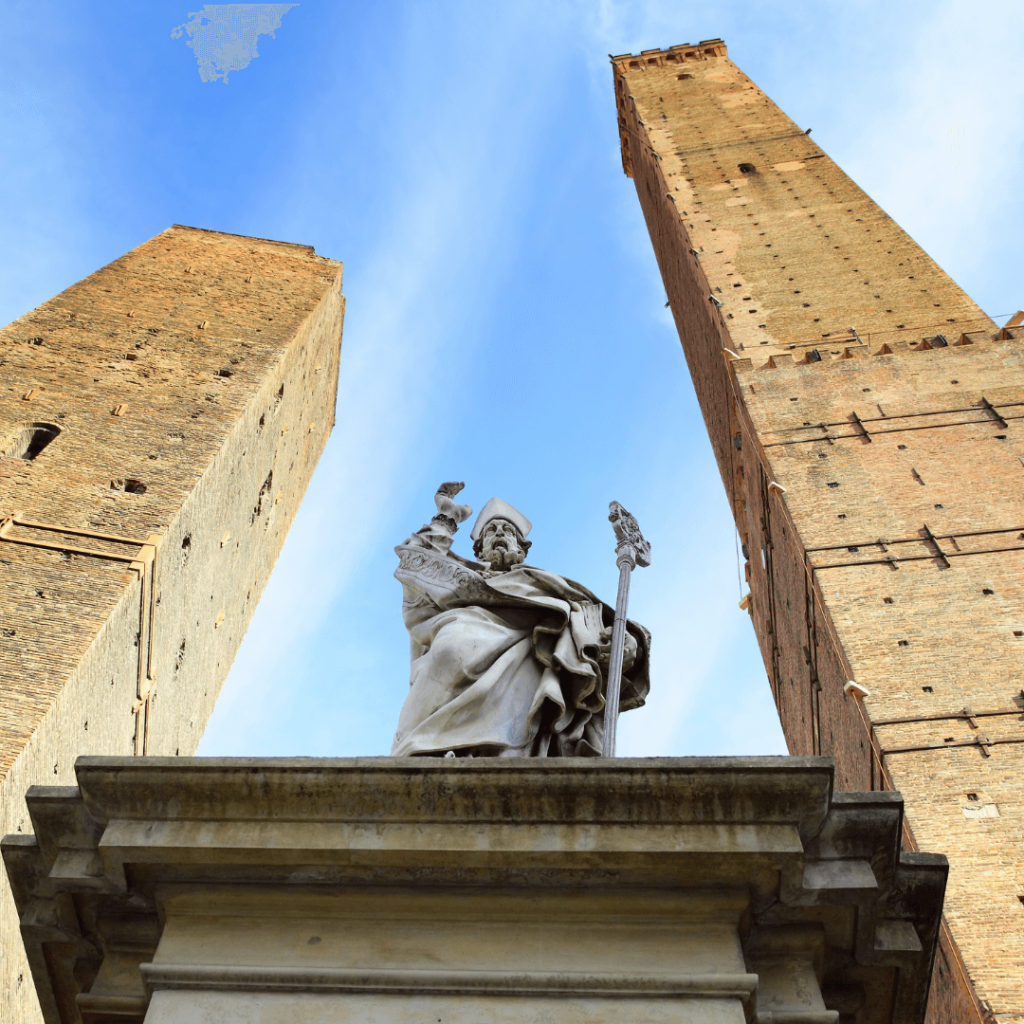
x=506, y=322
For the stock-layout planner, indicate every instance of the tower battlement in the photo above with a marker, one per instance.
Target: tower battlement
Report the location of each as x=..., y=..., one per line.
x=671, y=54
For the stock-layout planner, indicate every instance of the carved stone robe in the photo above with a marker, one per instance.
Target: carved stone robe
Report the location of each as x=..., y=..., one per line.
x=505, y=664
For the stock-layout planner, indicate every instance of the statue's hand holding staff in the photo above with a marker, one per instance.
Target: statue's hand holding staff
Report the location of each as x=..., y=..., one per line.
x=605, y=649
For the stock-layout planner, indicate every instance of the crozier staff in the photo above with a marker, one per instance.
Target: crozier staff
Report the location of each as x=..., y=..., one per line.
x=507, y=660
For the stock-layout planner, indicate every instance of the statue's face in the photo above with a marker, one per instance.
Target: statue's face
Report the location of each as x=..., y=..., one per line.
x=499, y=544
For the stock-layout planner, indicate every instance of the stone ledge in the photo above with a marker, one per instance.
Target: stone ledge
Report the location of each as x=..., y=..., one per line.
x=692, y=880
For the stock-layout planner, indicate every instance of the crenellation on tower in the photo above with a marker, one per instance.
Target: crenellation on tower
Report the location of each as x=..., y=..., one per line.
x=190, y=388
x=862, y=411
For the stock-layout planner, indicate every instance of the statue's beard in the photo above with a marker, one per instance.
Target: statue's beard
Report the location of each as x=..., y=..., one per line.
x=501, y=558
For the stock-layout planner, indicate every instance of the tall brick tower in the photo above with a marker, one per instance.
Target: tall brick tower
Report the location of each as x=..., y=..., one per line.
x=865, y=414
x=159, y=423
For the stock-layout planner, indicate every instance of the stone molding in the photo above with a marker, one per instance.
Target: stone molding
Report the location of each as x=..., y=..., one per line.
x=718, y=880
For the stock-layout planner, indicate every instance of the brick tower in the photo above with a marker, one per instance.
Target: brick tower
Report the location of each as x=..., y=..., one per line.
x=864, y=413
x=159, y=423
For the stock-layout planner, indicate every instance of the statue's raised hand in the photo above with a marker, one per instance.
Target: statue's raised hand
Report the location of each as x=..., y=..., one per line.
x=447, y=507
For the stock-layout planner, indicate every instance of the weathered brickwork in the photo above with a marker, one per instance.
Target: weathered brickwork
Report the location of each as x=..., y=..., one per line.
x=193, y=384
x=865, y=414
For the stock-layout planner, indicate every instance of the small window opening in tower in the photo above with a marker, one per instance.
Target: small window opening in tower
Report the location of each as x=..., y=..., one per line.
x=748, y=169
x=29, y=440
x=973, y=797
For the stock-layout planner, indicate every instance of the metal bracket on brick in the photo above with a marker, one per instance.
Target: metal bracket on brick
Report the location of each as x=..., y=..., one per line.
x=960, y=541
x=814, y=433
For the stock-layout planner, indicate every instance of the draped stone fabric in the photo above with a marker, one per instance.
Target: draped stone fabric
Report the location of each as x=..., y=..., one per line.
x=503, y=664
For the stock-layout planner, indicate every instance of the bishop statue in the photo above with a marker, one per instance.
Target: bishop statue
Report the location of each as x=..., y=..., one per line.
x=508, y=660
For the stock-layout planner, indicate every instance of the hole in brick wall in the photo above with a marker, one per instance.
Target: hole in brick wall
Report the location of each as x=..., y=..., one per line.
x=180, y=656
x=987, y=590
x=29, y=440
x=927, y=689
x=1000, y=437
x=834, y=484
x=129, y=486
x=1018, y=632
x=939, y=506
x=904, y=643
x=842, y=515
x=973, y=797
x=949, y=739
x=747, y=169
x=901, y=446
x=186, y=544
x=887, y=600
x=225, y=372
x=264, y=491
x=794, y=399
x=263, y=420
x=280, y=395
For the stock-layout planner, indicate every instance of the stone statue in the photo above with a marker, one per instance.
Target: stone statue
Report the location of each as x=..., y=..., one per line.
x=507, y=660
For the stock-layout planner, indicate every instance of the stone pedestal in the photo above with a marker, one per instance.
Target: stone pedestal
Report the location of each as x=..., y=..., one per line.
x=718, y=891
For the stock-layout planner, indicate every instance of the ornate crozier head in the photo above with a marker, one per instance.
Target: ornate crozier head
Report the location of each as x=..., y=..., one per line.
x=499, y=535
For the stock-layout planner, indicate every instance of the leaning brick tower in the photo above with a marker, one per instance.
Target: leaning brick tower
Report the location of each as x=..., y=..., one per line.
x=159, y=423
x=866, y=418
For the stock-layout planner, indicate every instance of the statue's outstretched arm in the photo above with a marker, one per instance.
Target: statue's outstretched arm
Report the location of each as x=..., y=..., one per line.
x=448, y=512
x=439, y=532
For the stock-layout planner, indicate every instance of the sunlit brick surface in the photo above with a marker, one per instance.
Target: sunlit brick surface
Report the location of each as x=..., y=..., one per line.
x=193, y=383
x=865, y=415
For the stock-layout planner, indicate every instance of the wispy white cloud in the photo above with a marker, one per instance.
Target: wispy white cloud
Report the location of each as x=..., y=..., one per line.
x=406, y=347
x=943, y=147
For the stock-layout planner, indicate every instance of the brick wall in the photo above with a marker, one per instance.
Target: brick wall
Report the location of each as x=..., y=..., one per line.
x=193, y=384
x=862, y=410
